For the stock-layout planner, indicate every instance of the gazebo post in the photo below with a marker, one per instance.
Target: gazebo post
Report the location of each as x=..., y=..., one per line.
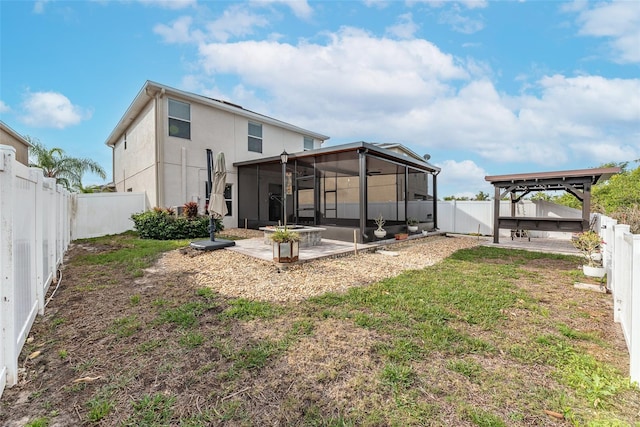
x=496, y=215
x=586, y=206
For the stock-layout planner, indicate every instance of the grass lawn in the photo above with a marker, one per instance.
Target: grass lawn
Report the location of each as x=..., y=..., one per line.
x=488, y=337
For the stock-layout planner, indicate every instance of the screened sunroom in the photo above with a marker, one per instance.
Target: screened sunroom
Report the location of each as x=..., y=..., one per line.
x=341, y=189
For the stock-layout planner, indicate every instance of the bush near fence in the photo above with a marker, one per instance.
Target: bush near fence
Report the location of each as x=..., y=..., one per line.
x=163, y=224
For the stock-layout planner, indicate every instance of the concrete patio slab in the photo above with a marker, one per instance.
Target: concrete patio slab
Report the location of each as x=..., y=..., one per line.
x=554, y=246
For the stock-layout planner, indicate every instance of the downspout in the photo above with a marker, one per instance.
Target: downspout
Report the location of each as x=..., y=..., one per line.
x=113, y=166
x=160, y=140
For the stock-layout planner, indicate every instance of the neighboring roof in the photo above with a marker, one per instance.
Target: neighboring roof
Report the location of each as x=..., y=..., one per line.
x=13, y=133
x=375, y=149
x=554, y=180
x=402, y=148
x=150, y=89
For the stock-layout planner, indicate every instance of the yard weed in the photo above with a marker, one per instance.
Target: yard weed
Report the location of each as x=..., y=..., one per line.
x=99, y=408
x=206, y=293
x=191, y=340
x=125, y=326
x=469, y=368
x=579, y=335
x=85, y=365
x=184, y=316
x=150, y=345
x=38, y=422
x=152, y=410
x=134, y=299
x=481, y=417
x=397, y=375
x=244, y=309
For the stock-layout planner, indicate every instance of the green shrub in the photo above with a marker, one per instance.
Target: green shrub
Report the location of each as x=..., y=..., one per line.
x=163, y=224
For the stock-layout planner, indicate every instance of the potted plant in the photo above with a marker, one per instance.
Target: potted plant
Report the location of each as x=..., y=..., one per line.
x=285, y=245
x=589, y=244
x=412, y=225
x=380, y=232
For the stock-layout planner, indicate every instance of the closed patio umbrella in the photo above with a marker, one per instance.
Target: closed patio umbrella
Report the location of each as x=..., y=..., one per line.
x=217, y=204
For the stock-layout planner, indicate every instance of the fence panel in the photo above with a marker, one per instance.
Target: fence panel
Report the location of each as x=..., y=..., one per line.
x=34, y=234
x=624, y=284
x=102, y=214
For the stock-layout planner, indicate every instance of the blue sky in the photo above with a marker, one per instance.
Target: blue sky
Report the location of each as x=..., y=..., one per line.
x=486, y=88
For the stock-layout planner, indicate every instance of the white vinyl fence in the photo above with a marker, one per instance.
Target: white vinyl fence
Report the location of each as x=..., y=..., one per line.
x=102, y=214
x=34, y=235
x=467, y=217
x=622, y=261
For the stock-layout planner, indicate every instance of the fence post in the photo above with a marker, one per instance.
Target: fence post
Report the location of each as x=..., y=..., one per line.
x=608, y=236
x=8, y=352
x=617, y=268
x=50, y=218
x=35, y=174
x=634, y=306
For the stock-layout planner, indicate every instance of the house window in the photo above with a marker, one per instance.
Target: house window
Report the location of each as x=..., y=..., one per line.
x=228, y=198
x=255, y=137
x=125, y=140
x=308, y=143
x=179, y=119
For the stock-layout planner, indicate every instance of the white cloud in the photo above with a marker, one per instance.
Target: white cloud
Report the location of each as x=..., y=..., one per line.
x=38, y=6
x=378, y=4
x=355, y=86
x=51, y=109
x=236, y=21
x=405, y=28
x=475, y=4
x=4, y=108
x=460, y=22
x=170, y=4
x=354, y=67
x=179, y=31
x=459, y=177
x=469, y=4
x=619, y=21
x=300, y=8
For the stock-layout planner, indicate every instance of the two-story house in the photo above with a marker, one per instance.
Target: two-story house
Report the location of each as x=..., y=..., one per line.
x=160, y=147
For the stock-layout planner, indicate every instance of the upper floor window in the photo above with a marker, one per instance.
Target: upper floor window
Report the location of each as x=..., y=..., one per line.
x=255, y=137
x=179, y=119
x=308, y=143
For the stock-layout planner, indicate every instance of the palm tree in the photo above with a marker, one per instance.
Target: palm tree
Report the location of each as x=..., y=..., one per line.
x=56, y=164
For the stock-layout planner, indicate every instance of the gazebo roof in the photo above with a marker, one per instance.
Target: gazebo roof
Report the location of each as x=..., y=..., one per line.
x=543, y=181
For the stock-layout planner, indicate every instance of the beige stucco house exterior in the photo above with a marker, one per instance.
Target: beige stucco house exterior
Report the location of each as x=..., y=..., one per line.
x=12, y=138
x=159, y=145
